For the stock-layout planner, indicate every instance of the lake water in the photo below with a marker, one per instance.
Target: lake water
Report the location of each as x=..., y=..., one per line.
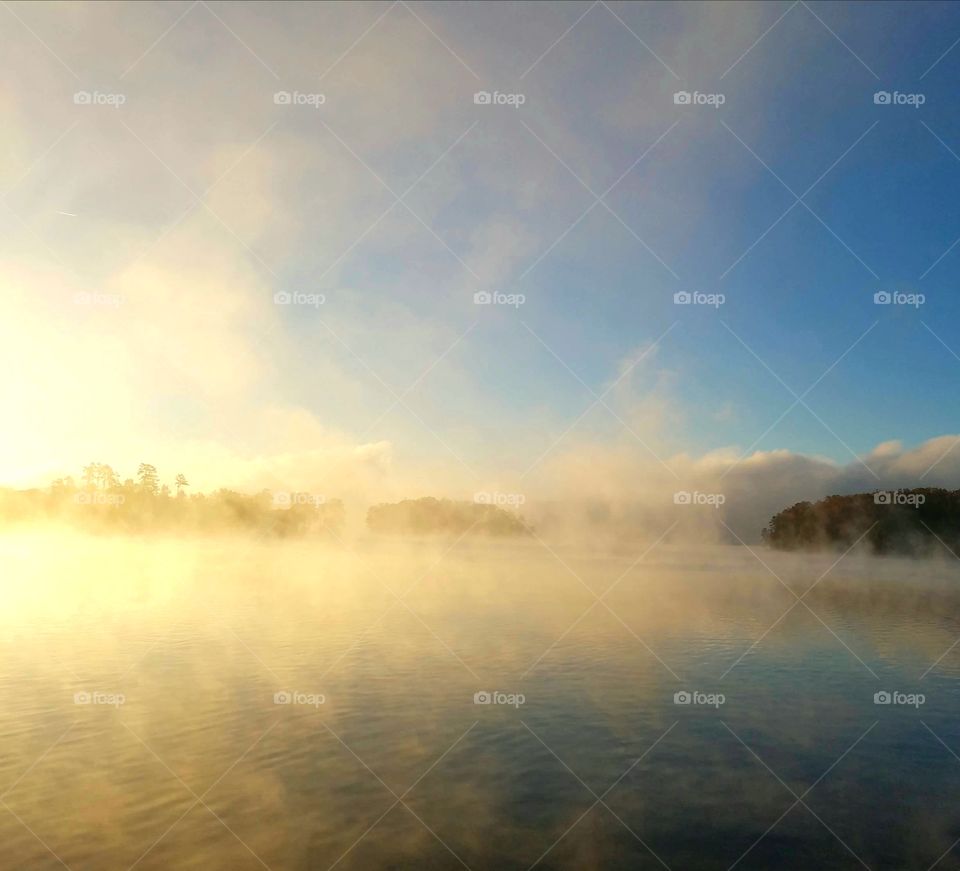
x=139, y=726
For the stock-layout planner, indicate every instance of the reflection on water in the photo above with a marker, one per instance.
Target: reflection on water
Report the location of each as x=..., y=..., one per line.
x=140, y=726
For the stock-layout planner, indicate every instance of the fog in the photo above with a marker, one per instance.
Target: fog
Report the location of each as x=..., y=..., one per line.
x=177, y=648
x=55, y=574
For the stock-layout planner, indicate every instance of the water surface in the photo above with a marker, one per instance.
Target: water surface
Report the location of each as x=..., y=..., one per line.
x=140, y=726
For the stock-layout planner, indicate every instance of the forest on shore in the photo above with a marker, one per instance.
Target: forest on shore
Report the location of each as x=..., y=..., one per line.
x=908, y=522
x=100, y=502
x=428, y=515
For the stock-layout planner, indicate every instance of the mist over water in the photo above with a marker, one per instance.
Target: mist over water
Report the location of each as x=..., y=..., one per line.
x=141, y=726
x=480, y=436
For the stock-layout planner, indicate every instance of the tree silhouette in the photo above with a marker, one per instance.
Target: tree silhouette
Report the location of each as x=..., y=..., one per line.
x=144, y=506
x=149, y=480
x=91, y=474
x=99, y=476
x=108, y=478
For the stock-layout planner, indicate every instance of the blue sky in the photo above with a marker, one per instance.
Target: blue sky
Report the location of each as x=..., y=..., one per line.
x=200, y=198
x=804, y=294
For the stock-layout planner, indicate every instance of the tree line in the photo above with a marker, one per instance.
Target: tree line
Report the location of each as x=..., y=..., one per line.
x=909, y=521
x=427, y=516
x=99, y=501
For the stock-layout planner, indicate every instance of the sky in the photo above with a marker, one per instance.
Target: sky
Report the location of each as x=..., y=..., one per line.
x=243, y=242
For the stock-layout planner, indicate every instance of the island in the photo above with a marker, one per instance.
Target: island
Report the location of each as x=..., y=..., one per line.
x=910, y=522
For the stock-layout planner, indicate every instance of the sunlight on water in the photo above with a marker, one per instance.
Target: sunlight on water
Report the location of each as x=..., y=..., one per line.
x=235, y=704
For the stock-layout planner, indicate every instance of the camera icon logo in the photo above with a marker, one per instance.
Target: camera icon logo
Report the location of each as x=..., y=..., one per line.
x=282, y=698
x=682, y=297
x=482, y=98
x=282, y=98
x=82, y=698
x=882, y=698
x=682, y=497
x=882, y=297
x=682, y=698
x=882, y=498
x=482, y=697
x=281, y=297
x=482, y=297
x=82, y=98
x=682, y=98
x=882, y=98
